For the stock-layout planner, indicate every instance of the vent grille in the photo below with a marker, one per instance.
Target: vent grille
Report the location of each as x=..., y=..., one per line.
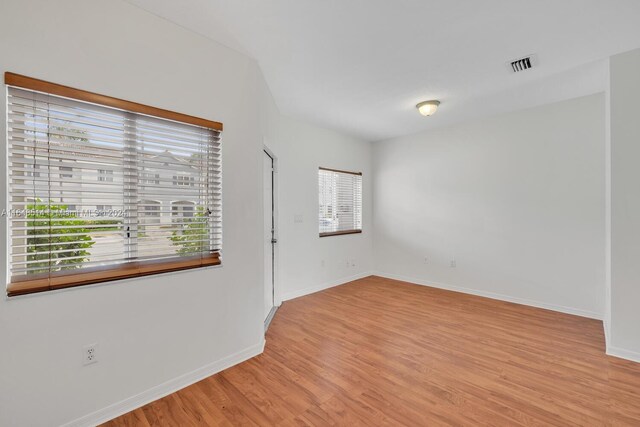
x=522, y=64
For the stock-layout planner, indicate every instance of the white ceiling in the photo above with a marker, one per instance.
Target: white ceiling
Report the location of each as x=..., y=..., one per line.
x=360, y=66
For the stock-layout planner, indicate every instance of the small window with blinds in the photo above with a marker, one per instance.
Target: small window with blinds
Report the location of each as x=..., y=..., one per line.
x=340, y=195
x=103, y=189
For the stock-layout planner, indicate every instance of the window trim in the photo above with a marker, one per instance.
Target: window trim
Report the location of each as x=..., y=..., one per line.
x=30, y=83
x=341, y=232
x=67, y=279
x=340, y=171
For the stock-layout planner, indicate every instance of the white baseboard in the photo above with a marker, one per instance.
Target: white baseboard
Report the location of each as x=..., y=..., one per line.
x=501, y=297
x=166, y=388
x=623, y=354
x=617, y=351
x=313, y=289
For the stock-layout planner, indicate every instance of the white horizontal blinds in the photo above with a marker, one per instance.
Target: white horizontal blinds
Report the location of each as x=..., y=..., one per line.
x=65, y=184
x=178, y=189
x=213, y=155
x=340, y=201
x=93, y=186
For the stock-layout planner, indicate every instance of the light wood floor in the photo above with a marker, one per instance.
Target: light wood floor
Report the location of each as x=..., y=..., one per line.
x=380, y=352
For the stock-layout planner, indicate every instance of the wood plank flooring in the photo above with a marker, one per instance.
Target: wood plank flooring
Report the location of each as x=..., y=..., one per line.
x=379, y=352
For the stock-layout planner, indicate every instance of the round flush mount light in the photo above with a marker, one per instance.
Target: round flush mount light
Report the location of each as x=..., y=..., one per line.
x=427, y=108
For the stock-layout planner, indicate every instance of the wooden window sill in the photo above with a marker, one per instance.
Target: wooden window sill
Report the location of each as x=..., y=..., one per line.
x=340, y=233
x=89, y=276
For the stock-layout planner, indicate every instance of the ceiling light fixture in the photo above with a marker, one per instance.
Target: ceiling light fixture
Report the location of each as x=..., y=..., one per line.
x=428, y=108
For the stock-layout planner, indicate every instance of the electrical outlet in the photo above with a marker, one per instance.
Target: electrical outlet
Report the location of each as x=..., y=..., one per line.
x=353, y=263
x=90, y=354
x=322, y=263
x=426, y=260
x=453, y=263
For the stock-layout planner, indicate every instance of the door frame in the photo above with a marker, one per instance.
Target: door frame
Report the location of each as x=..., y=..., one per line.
x=277, y=299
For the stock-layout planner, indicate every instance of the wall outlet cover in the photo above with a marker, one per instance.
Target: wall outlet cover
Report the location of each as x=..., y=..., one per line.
x=90, y=354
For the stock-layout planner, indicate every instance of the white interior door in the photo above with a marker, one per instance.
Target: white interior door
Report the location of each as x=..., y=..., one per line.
x=268, y=233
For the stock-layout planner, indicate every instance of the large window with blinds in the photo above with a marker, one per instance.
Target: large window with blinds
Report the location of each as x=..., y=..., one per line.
x=103, y=189
x=340, y=202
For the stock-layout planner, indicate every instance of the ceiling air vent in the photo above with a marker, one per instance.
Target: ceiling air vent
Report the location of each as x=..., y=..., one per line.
x=523, y=64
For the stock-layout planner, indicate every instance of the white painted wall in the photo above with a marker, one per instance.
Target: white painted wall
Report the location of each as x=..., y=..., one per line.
x=624, y=334
x=154, y=329
x=517, y=200
x=176, y=327
x=307, y=263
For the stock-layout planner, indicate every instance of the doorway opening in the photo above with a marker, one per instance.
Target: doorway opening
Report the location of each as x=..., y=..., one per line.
x=269, y=236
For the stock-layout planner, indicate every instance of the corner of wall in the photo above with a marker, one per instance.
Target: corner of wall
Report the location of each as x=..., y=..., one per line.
x=607, y=230
x=323, y=286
